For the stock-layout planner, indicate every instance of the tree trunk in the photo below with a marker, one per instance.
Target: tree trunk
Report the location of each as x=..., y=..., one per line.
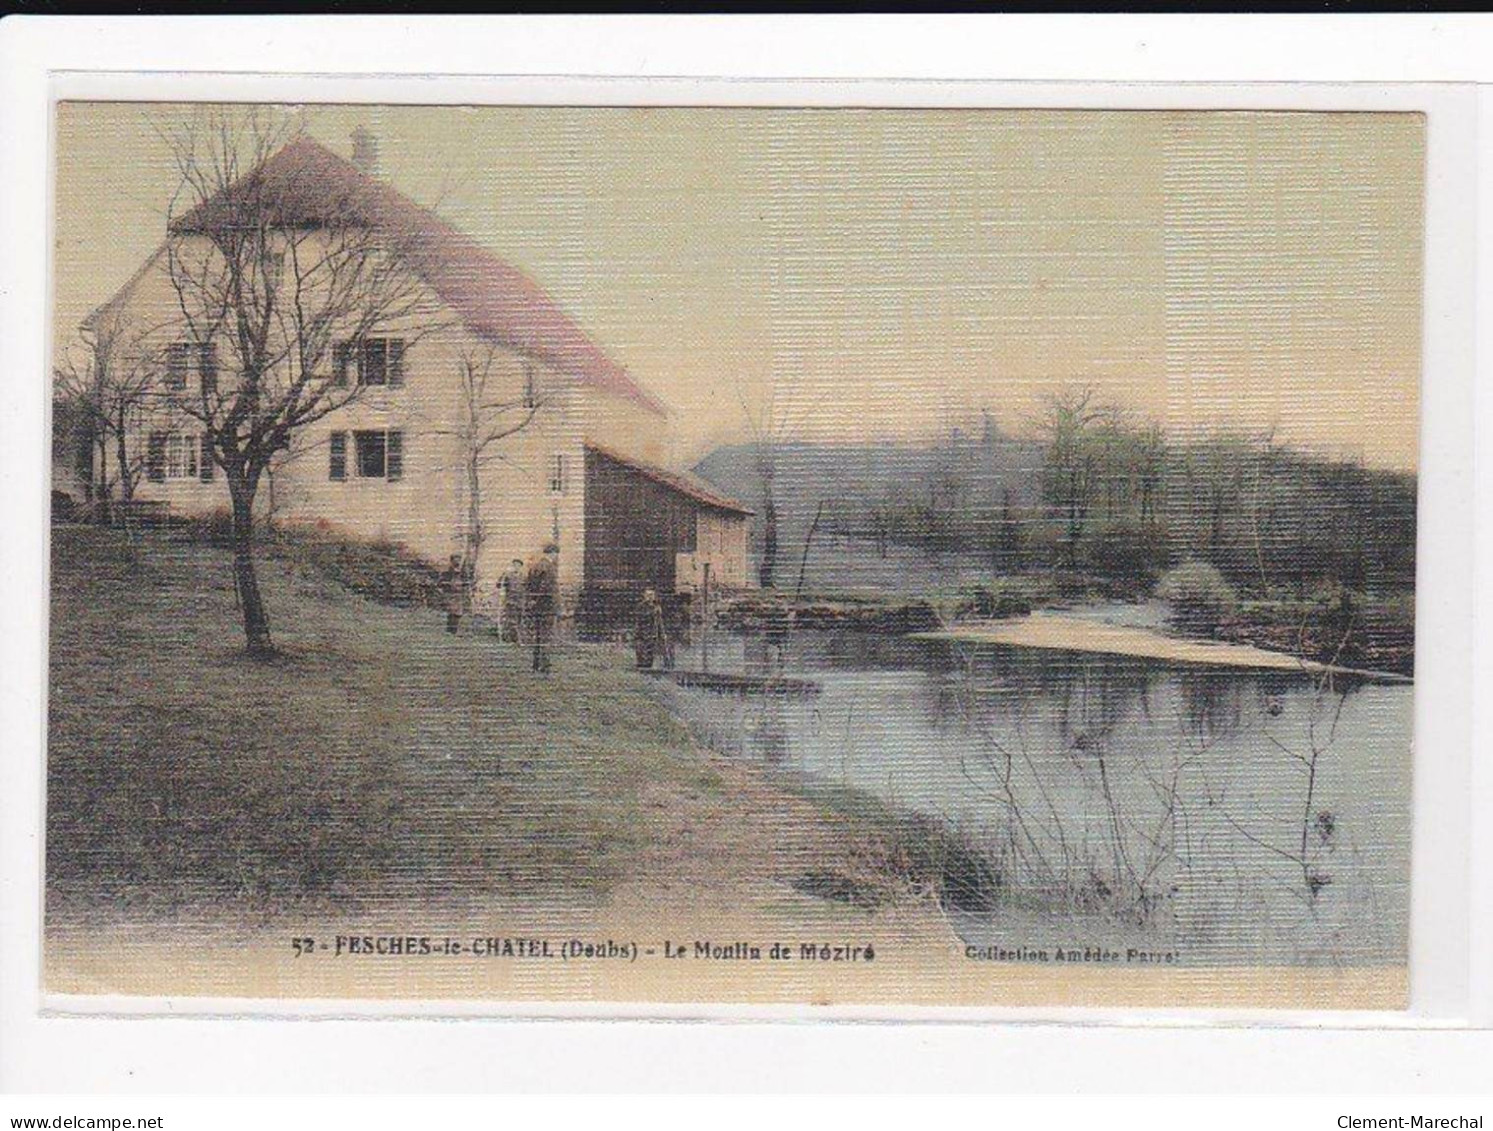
x=98, y=479
x=769, y=541
x=256, y=620
x=126, y=482
x=803, y=562
x=474, y=527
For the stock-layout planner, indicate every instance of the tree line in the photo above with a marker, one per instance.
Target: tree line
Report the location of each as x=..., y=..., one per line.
x=1111, y=495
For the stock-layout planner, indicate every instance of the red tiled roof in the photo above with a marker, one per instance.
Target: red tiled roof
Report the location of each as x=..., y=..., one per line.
x=309, y=185
x=681, y=481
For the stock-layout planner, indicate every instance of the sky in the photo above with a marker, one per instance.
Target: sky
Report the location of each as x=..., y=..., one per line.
x=885, y=275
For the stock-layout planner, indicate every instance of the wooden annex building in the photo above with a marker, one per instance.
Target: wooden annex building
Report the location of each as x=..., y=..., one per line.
x=651, y=528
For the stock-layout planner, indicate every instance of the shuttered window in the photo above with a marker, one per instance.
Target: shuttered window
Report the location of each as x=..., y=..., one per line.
x=181, y=456
x=373, y=364
x=376, y=454
x=179, y=356
x=374, y=361
x=369, y=452
x=183, y=358
x=205, y=468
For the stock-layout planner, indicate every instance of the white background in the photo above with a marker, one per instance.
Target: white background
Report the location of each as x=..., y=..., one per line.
x=1452, y=981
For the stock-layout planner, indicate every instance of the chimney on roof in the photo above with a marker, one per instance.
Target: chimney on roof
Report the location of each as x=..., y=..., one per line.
x=365, y=152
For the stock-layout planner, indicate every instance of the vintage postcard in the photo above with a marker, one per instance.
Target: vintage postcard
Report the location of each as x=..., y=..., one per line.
x=688, y=556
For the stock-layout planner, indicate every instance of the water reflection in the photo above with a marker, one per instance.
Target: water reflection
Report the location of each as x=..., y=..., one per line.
x=1248, y=816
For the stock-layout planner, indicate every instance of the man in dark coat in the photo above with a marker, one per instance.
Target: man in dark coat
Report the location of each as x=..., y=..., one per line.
x=511, y=602
x=651, y=634
x=541, y=590
x=454, y=590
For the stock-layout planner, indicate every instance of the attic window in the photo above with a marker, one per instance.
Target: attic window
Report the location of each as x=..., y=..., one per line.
x=178, y=364
x=183, y=357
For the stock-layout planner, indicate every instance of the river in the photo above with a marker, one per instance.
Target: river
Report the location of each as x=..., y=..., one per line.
x=1229, y=816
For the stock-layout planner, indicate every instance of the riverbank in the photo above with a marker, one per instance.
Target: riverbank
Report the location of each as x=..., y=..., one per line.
x=1333, y=628
x=1076, y=634
x=1379, y=636
x=1040, y=611
x=381, y=767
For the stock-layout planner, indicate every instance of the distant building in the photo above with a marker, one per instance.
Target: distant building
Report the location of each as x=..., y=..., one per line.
x=587, y=471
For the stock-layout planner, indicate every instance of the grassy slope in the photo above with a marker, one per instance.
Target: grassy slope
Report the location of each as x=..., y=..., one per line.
x=378, y=762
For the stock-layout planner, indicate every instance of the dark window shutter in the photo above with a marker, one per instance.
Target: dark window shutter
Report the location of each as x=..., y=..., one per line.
x=205, y=460
x=342, y=354
x=207, y=367
x=337, y=469
x=155, y=458
x=394, y=455
x=396, y=361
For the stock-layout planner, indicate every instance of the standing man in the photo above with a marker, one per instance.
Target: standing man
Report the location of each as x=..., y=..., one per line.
x=453, y=588
x=511, y=602
x=541, y=588
x=651, y=634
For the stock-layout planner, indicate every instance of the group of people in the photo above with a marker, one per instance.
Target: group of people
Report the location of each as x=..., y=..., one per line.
x=528, y=600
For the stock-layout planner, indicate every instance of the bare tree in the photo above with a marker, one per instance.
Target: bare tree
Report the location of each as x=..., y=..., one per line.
x=111, y=385
x=1067, y=427
x=271, y=274
x=803, y=561
x=1261, y=468
x=488, y=414
x=1150, y=472
x=764, y=430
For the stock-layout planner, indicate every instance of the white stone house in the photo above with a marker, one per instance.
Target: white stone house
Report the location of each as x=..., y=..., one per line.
x=389, y=466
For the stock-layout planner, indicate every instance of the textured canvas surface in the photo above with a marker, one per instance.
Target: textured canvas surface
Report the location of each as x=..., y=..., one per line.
x=688, y=555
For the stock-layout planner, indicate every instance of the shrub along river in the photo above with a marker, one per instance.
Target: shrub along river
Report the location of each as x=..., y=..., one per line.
x=1227, y=814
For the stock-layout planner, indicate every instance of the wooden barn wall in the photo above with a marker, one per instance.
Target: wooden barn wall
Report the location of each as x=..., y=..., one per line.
x=634, y=527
